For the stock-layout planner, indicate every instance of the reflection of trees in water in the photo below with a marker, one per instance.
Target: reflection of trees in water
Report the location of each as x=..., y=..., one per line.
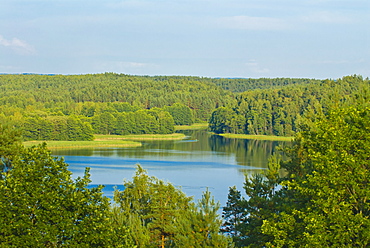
x=104, y=152
x=247, y=152
x=162, y=148
x=73, y=152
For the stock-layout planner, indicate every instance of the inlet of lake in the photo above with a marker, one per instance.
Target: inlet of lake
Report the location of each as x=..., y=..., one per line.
x=198, y=162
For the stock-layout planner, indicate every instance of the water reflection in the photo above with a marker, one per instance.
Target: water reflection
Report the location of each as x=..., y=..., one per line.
x=201, y=161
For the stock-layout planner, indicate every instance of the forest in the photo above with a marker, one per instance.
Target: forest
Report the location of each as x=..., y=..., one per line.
x=314, y=193
x=45, y=106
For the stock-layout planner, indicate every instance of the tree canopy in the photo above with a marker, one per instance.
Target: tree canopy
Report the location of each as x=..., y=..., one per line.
x=319, y=197
x=41, y=206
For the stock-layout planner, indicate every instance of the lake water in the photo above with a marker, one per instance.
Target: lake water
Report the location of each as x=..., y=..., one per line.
x=196, y=163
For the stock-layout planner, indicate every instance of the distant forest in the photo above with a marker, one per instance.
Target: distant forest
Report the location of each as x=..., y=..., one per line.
x=74, y=107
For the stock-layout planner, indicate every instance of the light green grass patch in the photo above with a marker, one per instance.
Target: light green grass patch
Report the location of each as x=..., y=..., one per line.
x=257, y=137
x=83, y=144
x=173, y=136
x=195, y=126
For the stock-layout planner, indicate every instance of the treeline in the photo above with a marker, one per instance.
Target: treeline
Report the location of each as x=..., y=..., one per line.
x=83, y=120
x=123, y=104
x=55, y=128
x=281, y=111
x=238, y=85
x=62, y=91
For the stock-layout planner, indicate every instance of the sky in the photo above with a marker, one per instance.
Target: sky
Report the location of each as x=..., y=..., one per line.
x=219, y=38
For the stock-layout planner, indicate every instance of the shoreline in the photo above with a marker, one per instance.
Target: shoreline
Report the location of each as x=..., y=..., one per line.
x=172, y=136
x=106, y=141
x=256, y=137
x=54, y=144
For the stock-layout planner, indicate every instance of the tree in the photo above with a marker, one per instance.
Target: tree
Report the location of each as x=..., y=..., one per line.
x=219, y=121
x=181, y=114
x=164, y=119
x=243, y=218
x=10, y=145
x=234, y=215
x=150, y=207
x=41, y=206
x=200, y=227
x=327, y=185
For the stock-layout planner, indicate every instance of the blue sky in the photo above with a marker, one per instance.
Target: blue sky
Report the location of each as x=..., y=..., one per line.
x=218, y=38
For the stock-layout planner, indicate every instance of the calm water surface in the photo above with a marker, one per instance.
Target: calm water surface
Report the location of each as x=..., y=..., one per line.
x=200, y=161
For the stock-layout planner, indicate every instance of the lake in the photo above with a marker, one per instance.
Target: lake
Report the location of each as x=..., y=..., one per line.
x=196, y=163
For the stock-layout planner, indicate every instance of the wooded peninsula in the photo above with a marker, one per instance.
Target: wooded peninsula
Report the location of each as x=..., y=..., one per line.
x=316, y=195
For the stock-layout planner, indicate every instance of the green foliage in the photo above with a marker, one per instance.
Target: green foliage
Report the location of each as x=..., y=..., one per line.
x=243, y=218
x=150, y=206
x=161, y=215
x=321, y=197
x=331, y=179
x=200, y=226
x=56, y=128
x=71, y=93
x=41, y=206
x=282, y=111
x=10, y=145
x=225, y=120
x=233, y=214
x=181, y=114
x=248, y=84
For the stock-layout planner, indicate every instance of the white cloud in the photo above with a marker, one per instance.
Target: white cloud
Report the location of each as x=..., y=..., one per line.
x=18, y=46
x=253, y=23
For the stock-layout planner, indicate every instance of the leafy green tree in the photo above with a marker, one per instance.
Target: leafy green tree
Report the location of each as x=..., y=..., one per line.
x=104, y=123
x=243, y=217
x=234, y=215
x=328, y=185
x=200, y=227
x=181, y=114
x=219, y=121
x=150, y=207
x=41, y=206
x=164, y=119
x=10, y=145
x=319, y=197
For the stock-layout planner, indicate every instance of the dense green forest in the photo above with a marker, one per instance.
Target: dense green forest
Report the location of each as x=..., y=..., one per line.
x=45, y=106
x=74, y=107
x=282, y=111
x=61, y=92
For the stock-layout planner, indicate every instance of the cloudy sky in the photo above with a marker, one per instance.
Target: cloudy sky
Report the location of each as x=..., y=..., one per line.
x=210, y=38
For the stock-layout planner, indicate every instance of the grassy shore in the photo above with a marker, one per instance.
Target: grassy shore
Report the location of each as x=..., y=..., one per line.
x=107, y=141
x=195, y=126
x=173, y=136
x=53, y=144
x=256, y=137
